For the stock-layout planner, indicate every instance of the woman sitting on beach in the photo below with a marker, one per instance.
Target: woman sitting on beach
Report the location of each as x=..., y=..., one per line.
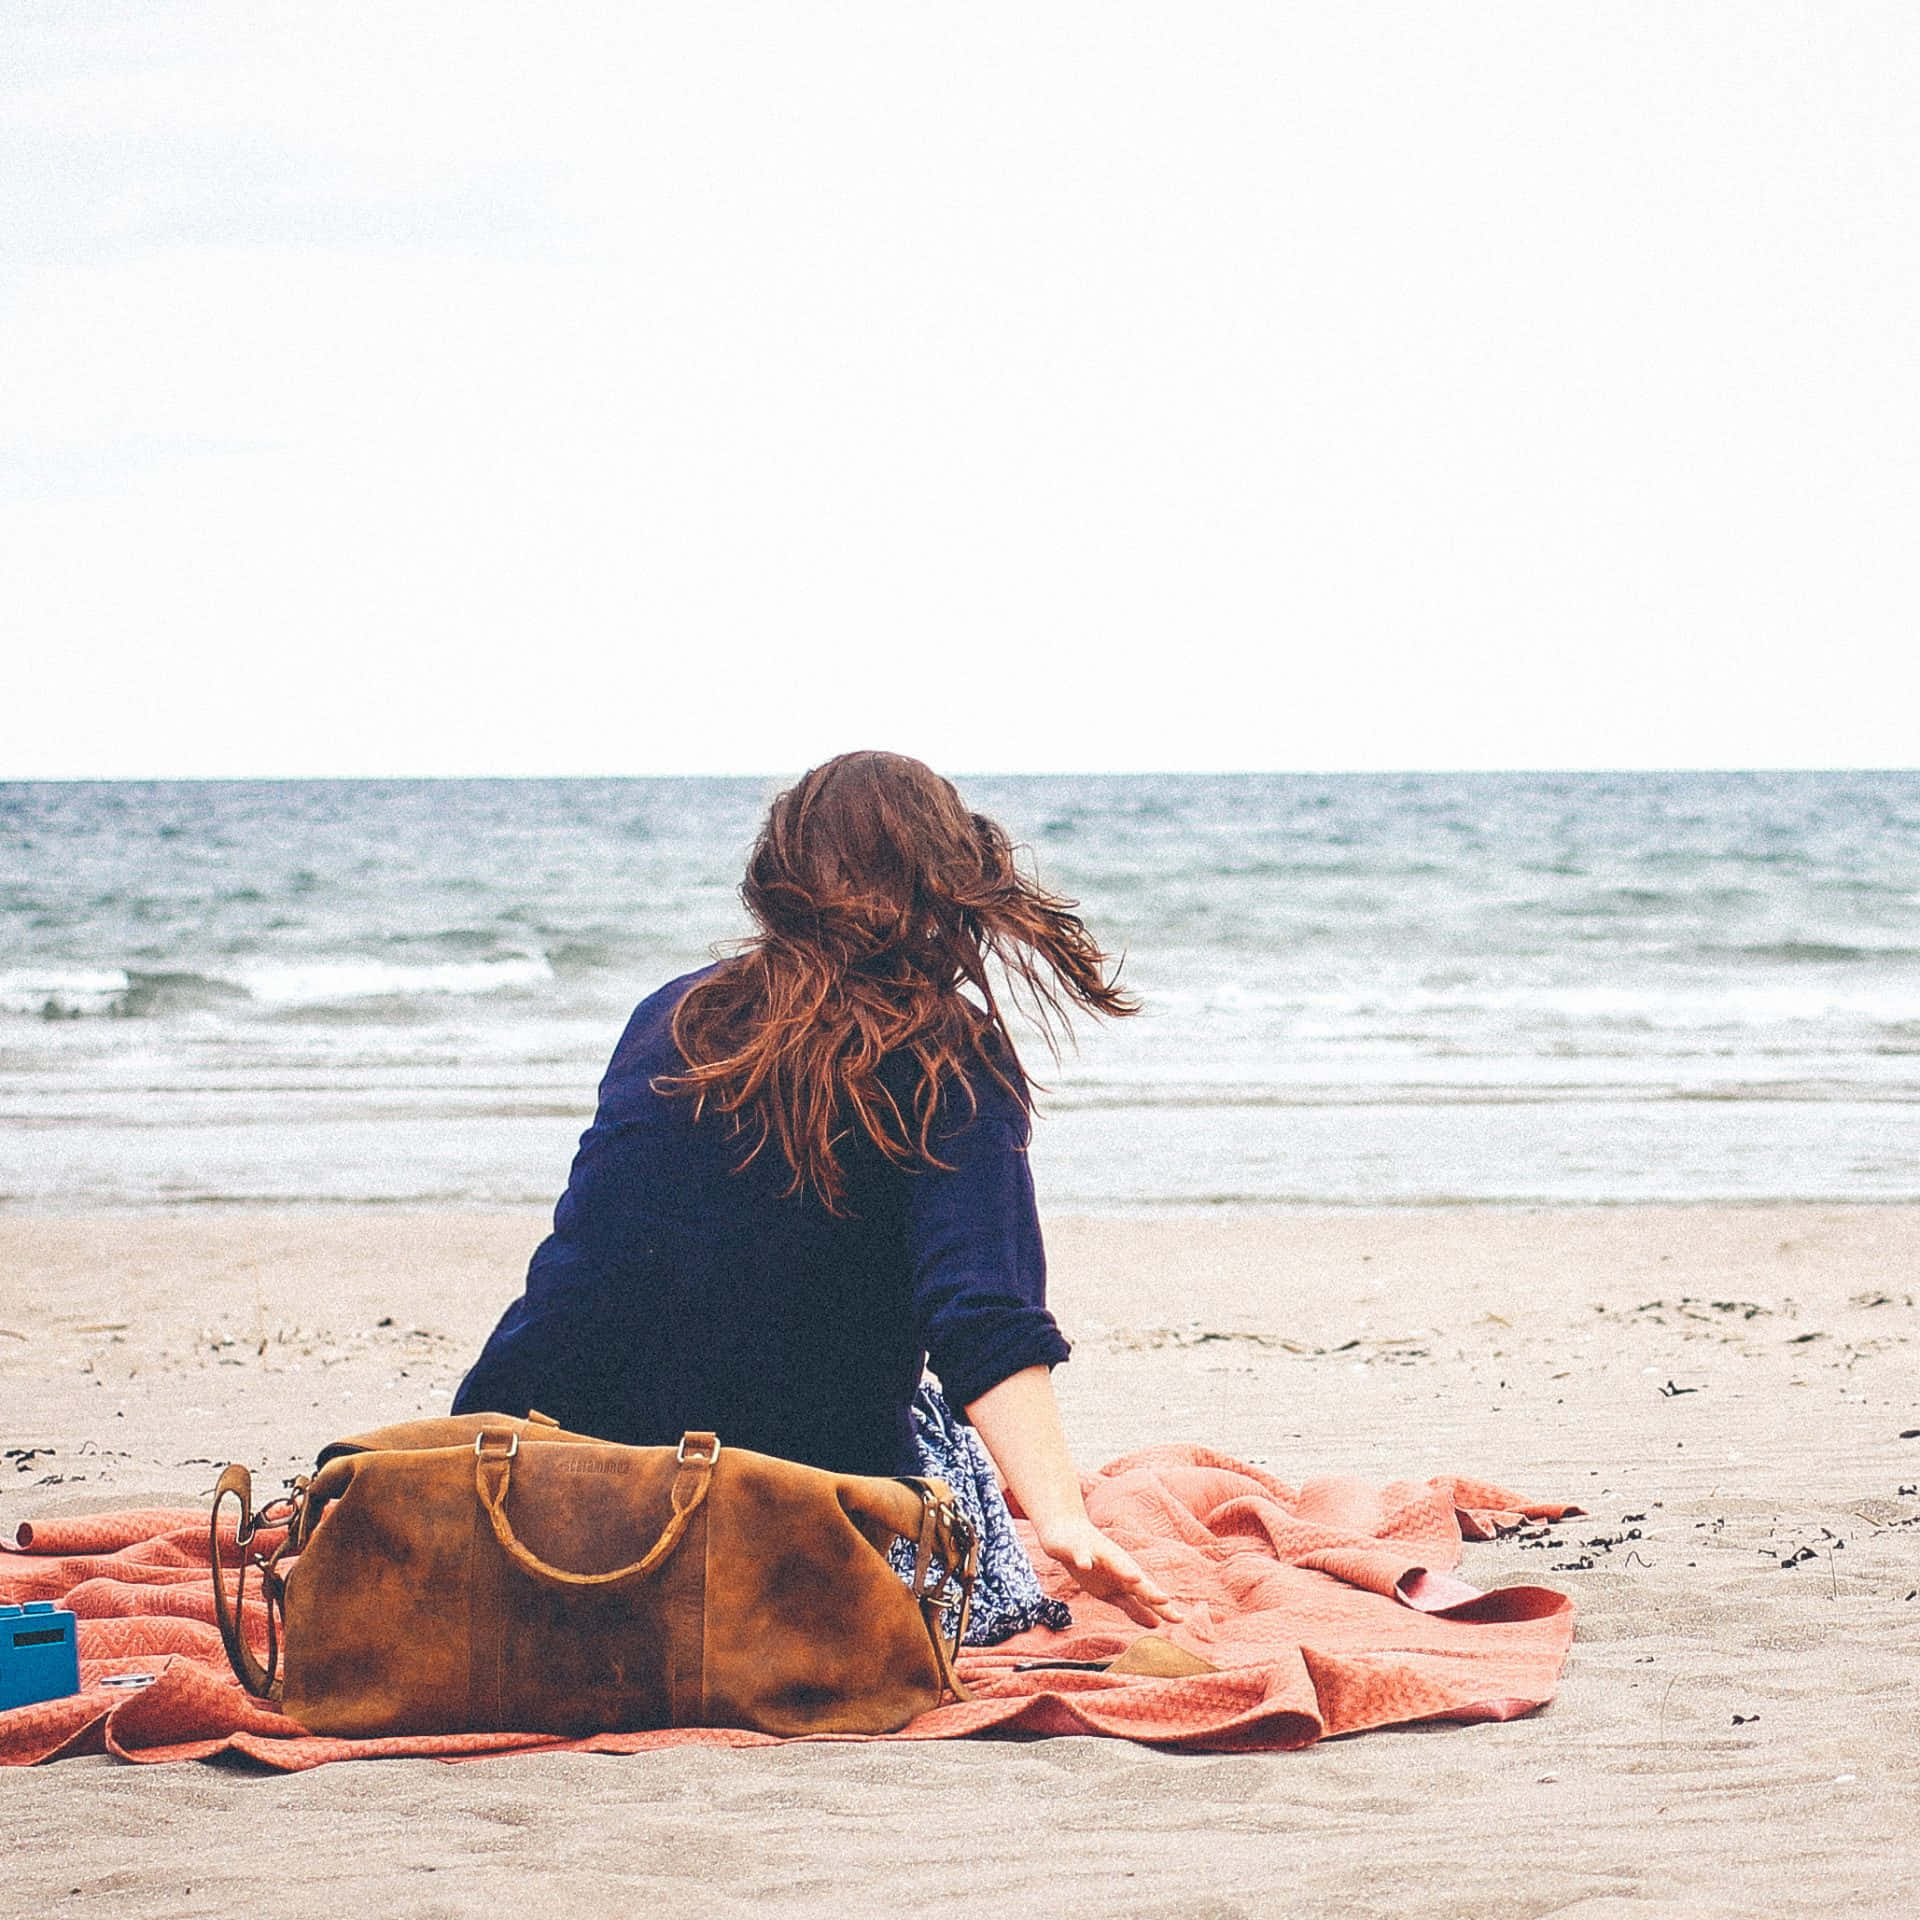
x=807, y=1178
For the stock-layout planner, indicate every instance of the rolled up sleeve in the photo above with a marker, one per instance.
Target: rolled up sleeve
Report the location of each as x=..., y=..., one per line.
x=979, y=1264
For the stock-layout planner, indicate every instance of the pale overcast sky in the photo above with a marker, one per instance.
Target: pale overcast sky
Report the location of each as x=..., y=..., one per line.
x=462, y=388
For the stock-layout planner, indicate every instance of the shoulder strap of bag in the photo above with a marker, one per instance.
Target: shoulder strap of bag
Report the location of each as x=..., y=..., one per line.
x=947, y=1538
x=262, y=1682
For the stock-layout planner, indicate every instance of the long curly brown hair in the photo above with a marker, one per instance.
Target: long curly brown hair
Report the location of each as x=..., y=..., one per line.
x=881, y=899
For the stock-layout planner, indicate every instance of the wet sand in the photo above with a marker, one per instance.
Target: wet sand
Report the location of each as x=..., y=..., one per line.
x=1724, y=1389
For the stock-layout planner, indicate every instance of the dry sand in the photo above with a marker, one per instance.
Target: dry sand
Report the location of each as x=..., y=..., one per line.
x=1724, y=1389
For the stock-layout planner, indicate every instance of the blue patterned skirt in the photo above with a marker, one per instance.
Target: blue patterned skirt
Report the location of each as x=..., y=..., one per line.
x=1006, y=1593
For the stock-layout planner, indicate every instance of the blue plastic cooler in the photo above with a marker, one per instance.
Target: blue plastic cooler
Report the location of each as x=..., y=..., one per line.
x=39, y=1655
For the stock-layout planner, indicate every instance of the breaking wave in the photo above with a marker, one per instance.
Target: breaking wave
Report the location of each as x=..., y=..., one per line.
x=75, y=993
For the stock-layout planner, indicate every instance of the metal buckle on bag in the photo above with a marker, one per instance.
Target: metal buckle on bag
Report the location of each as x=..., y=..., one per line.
x=480, y=1444
x=276, y=1513
x=707, y=1445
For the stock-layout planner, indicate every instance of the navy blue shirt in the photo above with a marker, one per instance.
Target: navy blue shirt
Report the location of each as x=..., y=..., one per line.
x=678, y=1291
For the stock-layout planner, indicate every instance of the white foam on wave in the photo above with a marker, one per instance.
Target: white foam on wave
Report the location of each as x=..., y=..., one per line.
x=79, y=992
x=1663, y=1007
x=321, y=983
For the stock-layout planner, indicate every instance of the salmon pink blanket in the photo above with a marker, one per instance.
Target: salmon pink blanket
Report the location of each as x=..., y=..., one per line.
x=1323, y=1609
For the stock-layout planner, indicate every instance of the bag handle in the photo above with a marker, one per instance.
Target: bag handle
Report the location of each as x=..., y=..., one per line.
x=493, y=1454
x=946, y=1537
x=261, y=1682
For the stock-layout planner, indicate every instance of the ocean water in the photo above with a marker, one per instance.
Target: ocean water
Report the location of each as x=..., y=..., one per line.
x=1363, y=989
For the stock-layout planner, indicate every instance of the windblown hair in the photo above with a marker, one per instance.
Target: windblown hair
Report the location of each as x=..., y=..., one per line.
x=880, y=900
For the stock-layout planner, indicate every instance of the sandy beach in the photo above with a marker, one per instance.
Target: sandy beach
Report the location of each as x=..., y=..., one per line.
x=1723, y=1389
x=1329, y=582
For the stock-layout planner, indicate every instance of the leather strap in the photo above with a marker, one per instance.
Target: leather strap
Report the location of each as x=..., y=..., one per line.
x=258, y=1680
x=493, y=1456
x=945, y=1535
x=486, y=1626
x=683, y=1620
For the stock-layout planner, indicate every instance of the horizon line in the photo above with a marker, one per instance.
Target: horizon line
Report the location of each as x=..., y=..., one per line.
x=970, y=773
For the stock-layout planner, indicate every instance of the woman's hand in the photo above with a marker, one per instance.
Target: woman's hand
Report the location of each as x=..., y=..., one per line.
x=1020, y=1423
x=1109, y=1572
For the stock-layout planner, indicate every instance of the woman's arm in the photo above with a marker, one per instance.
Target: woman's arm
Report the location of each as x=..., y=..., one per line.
x=980, y=1288
x=1019, y=1420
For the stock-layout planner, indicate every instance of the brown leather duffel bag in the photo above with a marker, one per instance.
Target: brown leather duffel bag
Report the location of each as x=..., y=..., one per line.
x=487, y=1574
